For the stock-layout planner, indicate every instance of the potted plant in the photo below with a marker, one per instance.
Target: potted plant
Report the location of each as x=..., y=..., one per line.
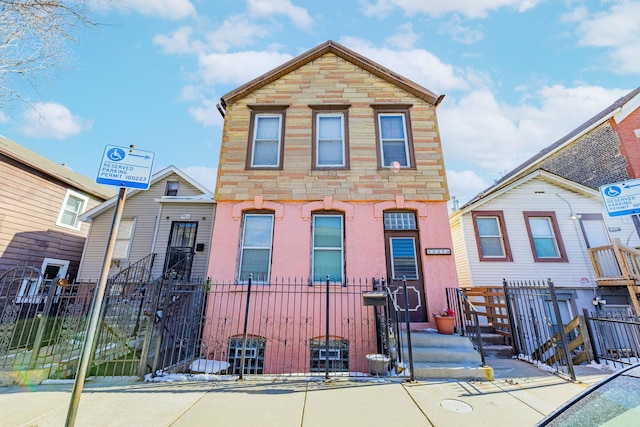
x=445, y=321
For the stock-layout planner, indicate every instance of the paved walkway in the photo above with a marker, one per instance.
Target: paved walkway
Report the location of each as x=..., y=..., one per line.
x=520, y=395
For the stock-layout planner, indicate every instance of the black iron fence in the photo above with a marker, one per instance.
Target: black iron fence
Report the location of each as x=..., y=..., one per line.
x=467, y=318
x=615, y=337
x=284, y=328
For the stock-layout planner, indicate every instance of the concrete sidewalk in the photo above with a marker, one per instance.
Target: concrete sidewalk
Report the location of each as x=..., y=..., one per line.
x=520, y=395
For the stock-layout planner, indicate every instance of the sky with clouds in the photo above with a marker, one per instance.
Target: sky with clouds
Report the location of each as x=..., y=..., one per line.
x=517, y=75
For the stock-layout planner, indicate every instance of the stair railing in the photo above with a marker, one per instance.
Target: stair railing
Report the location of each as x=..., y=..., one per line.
x=467, y=318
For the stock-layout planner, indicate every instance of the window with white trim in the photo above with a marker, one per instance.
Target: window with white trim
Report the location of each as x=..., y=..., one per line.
x=330, y=140
x=544, y=237
x=73, y=206
x=491, y=236
x=124, y=238
x=255, y=251
x=394, y=143
x=338, y=355
x=328, y=248
x=266, y=144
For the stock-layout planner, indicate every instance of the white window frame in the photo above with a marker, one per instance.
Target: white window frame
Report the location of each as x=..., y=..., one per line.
x=31, y=292
x=331, y=248
x=243, y=247
x=319, y=141
x=498, y=236
x=84, y=199
x=257, y=118
x=405, y=140
x=121, y=239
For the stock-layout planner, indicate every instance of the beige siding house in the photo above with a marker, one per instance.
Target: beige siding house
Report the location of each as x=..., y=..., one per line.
x=40, y=205
x=172, y=221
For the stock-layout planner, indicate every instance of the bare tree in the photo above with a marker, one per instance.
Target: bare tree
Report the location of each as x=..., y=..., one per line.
x=34, y=36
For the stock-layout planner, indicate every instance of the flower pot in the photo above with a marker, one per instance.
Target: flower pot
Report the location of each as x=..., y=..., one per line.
x=445, y=325
x=378, y=364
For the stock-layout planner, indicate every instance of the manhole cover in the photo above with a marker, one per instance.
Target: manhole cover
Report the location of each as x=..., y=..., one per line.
x=456, y=406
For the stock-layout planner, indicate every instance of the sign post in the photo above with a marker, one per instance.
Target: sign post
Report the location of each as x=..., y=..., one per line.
x=124, y=167
x=621, y=198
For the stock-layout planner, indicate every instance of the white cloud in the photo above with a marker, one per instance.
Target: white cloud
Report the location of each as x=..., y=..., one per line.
x=52, y=120
x=168, y=9
x=237, y=67
x=204, y=175
x=206, y=113
x=497, y=137
x=617, y=30
x=405, y=38
x=468, y=8
x=237, y=31
x=465, y=185
x=178, y=42
x=264, y=8
x=461, y=33
x=3, y=117
x=419, y=65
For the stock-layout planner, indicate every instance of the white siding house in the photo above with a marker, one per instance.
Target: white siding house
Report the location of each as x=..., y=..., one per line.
x=173, y=219
x=534, y=228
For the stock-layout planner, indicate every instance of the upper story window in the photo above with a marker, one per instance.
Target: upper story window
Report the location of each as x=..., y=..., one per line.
x=491, y=236
x=544, y=237
x=124, y=238
x=328, y=248
x=393, y=132
x=73, y=206
x=255, y=250
x=266, y=137
x=330, y=136
x=172, y=188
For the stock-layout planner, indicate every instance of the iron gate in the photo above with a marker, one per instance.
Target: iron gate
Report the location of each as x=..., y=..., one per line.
x=537, y=324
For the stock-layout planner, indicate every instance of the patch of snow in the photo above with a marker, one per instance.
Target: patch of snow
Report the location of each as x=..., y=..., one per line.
x=209, y=366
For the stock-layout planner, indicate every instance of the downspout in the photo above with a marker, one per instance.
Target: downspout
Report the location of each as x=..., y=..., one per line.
x=155, y=229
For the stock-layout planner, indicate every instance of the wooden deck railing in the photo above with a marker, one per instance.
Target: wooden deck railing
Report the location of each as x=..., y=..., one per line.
x=617, y=265
x=491, y=304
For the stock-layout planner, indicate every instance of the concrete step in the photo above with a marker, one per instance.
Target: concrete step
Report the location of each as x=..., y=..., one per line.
x=425, y=371
x=498, y=351
x=444, y=356
x=489, y=338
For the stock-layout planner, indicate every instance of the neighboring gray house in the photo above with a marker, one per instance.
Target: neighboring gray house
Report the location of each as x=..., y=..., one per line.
x=172, y=222
x=40, y=205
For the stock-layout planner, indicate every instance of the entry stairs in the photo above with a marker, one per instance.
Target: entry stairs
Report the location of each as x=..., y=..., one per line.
x=438, y=356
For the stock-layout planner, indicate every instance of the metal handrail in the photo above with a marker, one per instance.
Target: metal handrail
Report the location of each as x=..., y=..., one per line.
x=467, y=319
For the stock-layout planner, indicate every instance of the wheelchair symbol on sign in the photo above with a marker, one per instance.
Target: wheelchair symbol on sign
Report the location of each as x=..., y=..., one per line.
x=116, y=154
x=612, y=191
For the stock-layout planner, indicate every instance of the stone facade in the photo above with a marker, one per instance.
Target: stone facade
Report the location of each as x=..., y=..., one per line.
x=327, y=80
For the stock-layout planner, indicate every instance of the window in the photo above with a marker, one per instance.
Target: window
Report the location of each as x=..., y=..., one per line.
x=338, y=355
x=255, y=253
x=328, y=249
x=395, y=144
x=73, y=205
x=544, y=237
x=34, y=289
x=491, y=236
x=253, y=355
x=265, y=137
x=172, y=188
x=403, y=258
x=330, y=136
x=124, y=238
x=400, y=221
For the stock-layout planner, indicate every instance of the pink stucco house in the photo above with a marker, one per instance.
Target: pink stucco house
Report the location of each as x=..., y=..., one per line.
x=331, y=167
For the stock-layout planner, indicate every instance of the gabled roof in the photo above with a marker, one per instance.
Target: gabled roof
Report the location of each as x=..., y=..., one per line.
x=594, y=121
x=205, y=197
x=507, y=186
x=48, y=167
x=342, y=52
x=620, y=107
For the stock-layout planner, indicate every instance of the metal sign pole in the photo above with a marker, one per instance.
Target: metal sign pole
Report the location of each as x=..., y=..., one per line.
x=95, y=313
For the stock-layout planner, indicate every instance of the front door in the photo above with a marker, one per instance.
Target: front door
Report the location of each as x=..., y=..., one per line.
x=402, y=246
x=182, y=242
